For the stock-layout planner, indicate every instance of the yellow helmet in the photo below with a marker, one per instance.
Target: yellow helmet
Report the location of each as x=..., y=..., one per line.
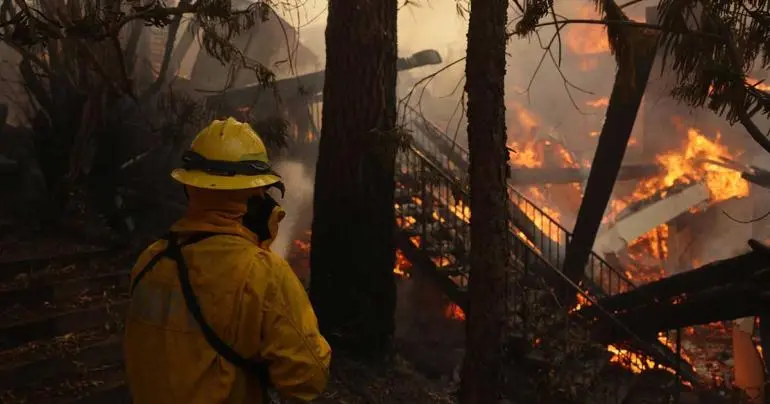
x=227, y=155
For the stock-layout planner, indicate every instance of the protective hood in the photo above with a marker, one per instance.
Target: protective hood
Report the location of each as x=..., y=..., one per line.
x=222, y=211
x=273, y=223
x=217, y=211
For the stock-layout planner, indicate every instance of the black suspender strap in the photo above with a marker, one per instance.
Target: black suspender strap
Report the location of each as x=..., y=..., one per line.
x=195, y=238
x=174, y=251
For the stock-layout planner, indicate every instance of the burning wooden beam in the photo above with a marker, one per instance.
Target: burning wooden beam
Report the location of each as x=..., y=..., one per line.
x=723, y=290
x=686, y=283
x=649, y=216
x=701, y=308
x=625, y=99
x=560, y=175
x=757, y=176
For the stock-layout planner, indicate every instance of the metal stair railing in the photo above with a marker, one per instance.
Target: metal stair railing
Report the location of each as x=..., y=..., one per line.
x=550, y=237
x=540, y=233
x=439, y=241
x=433, y=228
x=432, y=217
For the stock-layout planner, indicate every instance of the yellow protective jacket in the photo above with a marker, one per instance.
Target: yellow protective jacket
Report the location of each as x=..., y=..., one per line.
x=248, y=295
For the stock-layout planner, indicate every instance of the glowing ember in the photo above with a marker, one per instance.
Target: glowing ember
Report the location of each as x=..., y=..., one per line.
x=299, y=256
x=581, y=303
x=599, y=103
x=633, y=362
x=756, y=83
x=454, y=312
x=402, y=265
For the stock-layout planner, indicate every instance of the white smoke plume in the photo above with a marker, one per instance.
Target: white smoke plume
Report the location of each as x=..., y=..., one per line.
x=297, y=203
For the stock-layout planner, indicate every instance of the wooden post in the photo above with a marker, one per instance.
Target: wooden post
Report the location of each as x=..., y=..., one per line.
x=624, y=104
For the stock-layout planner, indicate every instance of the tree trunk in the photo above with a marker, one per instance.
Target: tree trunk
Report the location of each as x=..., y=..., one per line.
x=624, y=104
x=353, y=254
x=485, y=75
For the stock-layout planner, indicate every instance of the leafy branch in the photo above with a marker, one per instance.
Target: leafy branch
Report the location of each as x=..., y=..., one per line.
x=711, y=46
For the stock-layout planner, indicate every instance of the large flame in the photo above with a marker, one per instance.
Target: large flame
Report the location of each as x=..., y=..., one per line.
x=587, y=40
x=694, y=163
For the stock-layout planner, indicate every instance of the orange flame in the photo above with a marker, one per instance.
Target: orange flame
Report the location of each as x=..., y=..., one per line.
x=598, y=103
x=691, y=164
x=587, y=39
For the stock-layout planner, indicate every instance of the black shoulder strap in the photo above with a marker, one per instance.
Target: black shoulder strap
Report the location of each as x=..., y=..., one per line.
x=174, y=251
x=195, y=238
x=194, y=307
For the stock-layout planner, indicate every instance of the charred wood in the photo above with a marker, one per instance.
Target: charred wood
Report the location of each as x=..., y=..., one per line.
x=424, y=264
x=624, y=104
x=735, y=300
x=758, y=176
x=699, y=279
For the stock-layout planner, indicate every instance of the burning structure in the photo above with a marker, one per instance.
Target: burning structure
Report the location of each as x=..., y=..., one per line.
x=664, y=216
x=667, y=212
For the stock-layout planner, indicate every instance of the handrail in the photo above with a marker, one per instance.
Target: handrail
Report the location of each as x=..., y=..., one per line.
x=428, y=167
x=624, y=283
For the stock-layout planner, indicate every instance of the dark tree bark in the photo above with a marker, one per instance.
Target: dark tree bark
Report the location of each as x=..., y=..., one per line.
x=353, y=254
x=485, y=75
x=624, y=104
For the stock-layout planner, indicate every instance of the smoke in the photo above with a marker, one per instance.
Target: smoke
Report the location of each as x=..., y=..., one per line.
x=298, y=204
x=437, y=24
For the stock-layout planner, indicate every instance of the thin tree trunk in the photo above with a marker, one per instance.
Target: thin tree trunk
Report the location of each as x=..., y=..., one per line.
x=353, y=250
x=485, y=75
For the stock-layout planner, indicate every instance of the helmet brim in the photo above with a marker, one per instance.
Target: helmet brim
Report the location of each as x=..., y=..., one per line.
x=200, y=179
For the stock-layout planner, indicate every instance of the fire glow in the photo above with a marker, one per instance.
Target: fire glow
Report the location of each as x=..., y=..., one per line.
x=690, y=163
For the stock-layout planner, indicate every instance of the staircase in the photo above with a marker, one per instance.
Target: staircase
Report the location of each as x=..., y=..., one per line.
x=434, y=233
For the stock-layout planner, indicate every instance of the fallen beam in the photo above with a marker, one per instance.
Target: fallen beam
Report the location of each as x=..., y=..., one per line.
x=759, y=177
x=685, y=283
x=625, y=99
x=629, y=228
x=560, y=175
x=729, y=302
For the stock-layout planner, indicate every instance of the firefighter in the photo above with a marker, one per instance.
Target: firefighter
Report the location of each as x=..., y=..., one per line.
x=215, y=317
